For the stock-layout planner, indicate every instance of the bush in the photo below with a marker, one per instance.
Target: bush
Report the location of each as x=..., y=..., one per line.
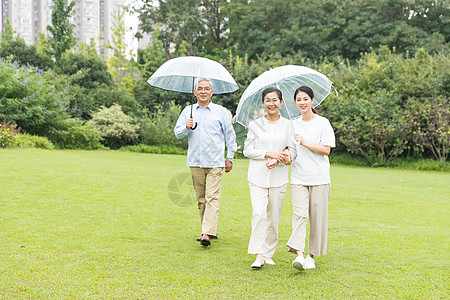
x=400, y=162
x=431, y=126
x=77, y=135
x=390, y=106
x=115, y=127
x=420, y=164
x=7, y=133
x=374, y=127
x=18, y=50
x=160, y=149
x=158, y=128
x=29, y=97
x=24, y=140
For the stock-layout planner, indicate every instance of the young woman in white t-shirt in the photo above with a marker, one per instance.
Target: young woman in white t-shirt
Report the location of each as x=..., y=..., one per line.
x=310, y=180
x=266, y=145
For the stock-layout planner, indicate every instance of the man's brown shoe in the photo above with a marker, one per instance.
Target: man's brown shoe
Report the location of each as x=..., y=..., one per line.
x=205, y=241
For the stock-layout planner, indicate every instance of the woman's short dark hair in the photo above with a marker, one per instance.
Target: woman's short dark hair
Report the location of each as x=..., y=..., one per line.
x=270, y=90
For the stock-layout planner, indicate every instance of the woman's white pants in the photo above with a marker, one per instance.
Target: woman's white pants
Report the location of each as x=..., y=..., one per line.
x=267, y=204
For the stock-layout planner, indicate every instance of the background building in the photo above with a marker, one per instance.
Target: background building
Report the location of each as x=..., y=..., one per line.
x=92, y=19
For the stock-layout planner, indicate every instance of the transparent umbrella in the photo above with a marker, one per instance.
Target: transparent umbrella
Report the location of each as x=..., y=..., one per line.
x=287, y=78
x=178, y=74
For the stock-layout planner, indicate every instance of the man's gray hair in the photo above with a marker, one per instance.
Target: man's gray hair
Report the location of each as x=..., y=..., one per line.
x=202, y=79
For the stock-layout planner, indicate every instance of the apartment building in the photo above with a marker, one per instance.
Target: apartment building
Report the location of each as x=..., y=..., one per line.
x=92, y=19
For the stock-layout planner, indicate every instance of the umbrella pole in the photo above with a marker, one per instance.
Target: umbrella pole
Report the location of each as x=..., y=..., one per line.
x=292, y=124
x=285, y=105
x=192, y=104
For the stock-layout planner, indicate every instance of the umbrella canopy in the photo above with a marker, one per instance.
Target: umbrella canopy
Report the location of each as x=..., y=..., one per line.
x=178, y=75
x=287, y=78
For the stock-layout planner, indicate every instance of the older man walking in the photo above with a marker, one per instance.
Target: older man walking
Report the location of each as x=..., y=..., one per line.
x=207, y=138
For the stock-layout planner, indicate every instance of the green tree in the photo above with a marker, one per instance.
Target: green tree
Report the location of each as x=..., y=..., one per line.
x=61, y=30
x=42, y=45
x=213, y=42
x=86, y=69
x=255, y=26
x=330, y=28
x=91, y=85
x=179, y=21
x=8, y=32
x=17, y=49
x=149, y=60
x=121, y=69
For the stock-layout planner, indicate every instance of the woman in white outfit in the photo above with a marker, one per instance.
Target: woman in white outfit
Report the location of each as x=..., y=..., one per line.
x=310, y=180
x=267, y=145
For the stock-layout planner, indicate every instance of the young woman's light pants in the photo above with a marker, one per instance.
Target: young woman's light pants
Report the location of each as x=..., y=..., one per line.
x=267, y=204
x=313, y=200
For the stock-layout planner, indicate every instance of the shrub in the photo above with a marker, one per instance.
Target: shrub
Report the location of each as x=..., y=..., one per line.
x=24, y=140
x=431, y=126
x=420, y=164
x=390, y=106
x=29, y=97
x=409, y=163
x=77, y=135
x=115, y=127
x=158, y=128
x=7, y=133
x=373, y=127
x=18, y=50
x=160, y=149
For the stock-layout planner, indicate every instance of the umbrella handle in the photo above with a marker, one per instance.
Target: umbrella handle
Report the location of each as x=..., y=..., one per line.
x=195, y=125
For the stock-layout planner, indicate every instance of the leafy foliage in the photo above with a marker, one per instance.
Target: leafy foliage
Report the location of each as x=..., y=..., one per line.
x=115, y=127
x=29, y=98
x=389, y=104
x=40, y=104
x=17, y=50
x=157, y=129
x=316, y=29
x=8, y=132
x=389, y=60
x=85, y=70
x=25, y=140
x=91, y=85
x=121, y=70
x=431, y=126
x=77, y=135
x=160, y=149
x=373, y=127
x=61, y=30
x=181, y=21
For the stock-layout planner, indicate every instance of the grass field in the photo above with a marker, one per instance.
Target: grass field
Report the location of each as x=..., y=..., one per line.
x=92, y=224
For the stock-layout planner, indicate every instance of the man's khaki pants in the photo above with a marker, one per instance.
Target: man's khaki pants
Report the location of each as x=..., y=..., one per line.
x=207, y=185
x=312, y=200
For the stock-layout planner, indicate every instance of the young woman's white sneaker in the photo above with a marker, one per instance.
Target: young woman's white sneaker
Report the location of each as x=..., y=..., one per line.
x=309, y=263
x=298, y=263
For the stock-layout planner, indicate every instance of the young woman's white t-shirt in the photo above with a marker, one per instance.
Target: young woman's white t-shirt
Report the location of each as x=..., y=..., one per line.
x=310, y=168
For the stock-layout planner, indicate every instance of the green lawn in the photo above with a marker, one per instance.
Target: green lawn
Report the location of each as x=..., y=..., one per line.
x=93, y=224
